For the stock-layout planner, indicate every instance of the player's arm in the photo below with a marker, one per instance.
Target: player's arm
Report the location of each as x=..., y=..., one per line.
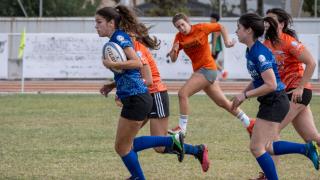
x=249, y=87
x=107, y=88
x=227, y=42
x=270, y=84
x=307, y=59
x=214, y=43
x=173, y=54
x=133, y=61
x=146, y=74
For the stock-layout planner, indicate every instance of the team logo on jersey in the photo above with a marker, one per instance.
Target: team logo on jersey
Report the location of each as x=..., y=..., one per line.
x=294, y=43
x=139, y=54
x=262, y=58
x=120, y=38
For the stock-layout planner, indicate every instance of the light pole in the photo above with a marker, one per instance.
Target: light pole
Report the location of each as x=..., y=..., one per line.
x=40, y=7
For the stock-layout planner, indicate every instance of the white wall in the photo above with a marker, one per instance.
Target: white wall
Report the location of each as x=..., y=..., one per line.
x=14, y=26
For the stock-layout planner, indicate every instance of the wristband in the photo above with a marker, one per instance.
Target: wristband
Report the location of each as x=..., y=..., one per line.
x=245, y=95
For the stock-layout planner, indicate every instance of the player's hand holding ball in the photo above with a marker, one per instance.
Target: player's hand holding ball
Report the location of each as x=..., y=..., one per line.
x=112, y=56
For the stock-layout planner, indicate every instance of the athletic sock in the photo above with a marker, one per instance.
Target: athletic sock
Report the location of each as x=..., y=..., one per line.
x=191, y=149
x=244, y=119
x=267, y=165
x=183, y=121
x=132, y=163
x=285, y=147
x=145, y=142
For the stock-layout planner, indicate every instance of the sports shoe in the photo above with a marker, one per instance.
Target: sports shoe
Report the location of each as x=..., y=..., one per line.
x=177, y=130
x=313, y=153
x=178, y=147
x=203, y=157
x=260, y=177
x=251, y=125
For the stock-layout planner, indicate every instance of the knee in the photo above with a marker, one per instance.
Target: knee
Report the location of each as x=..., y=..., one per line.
x=256, y=150
x=121, y=149
x=182, y=94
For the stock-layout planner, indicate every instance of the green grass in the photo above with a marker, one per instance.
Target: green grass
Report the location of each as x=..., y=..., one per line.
x=72, y=137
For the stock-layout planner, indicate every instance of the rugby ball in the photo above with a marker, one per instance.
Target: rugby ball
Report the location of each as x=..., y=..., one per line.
x=115, y=53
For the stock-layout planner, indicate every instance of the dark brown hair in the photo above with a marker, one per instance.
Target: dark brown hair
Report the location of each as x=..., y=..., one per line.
x=272, y=31
x=253, y=21
x=286, y=19
x=127, y=20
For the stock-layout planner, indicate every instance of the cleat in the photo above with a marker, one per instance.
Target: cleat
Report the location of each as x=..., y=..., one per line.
x=250, y=127
x=313, y=153
x=260, y=177
x=178, y=147
x=177, y=130
x=203, y=157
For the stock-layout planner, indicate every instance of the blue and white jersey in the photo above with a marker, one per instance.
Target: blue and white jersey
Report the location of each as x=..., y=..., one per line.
x=129, y=82
x=260, y=59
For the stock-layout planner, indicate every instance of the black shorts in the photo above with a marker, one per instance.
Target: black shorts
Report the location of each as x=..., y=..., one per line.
x=273, y=106
x=160, y=107
x=306, y=96
x=136, y=107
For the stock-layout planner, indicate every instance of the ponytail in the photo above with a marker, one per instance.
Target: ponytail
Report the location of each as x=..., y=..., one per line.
x=286, y=19
x=130, y=24
x=272, y=31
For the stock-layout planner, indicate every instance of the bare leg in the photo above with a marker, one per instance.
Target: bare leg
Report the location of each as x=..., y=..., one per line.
x=305, y=126
x=294, y=110
x=216, y=95
x=159, y=127
x=196, y=83
x=126, y=132
x=263, y=134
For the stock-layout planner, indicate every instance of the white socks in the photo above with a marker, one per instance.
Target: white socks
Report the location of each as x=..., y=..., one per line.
x=244, y=119
x=183, y=121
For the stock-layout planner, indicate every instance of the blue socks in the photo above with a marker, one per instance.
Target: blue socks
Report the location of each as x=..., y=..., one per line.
x=133, y=165
x=279, y=148
x=145, y=142
x=285, y=147
x=267, y=165
x=190, y=149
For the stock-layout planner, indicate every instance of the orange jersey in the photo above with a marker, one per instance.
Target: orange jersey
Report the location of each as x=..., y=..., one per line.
x=196, y=45
x=290, y=68
x=146, y=58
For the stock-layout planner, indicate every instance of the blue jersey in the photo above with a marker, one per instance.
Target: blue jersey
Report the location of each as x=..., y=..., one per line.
x=129, y=82
x=260, y=59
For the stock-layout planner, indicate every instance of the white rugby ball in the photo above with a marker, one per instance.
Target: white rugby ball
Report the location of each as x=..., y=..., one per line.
x=115, y=53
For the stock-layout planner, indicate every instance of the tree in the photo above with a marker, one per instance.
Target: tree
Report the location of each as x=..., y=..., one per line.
x=215, y=5
x=260, y=7
x=243, y=6
x=50, y=8
x=166, y=7
x=308, y=6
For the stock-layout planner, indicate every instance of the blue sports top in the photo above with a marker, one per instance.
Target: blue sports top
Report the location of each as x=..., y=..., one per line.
x=129, y=82
x=259, y=59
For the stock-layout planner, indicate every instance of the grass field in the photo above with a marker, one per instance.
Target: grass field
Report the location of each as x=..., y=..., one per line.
x=72, y=137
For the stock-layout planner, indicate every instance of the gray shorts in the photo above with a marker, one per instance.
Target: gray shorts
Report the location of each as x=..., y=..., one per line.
x=210, y=75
